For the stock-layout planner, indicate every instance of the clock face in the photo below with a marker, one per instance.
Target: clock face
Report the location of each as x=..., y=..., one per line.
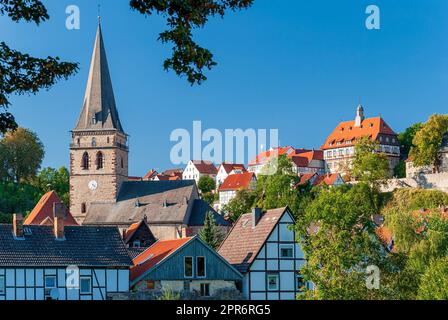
x=93, y=185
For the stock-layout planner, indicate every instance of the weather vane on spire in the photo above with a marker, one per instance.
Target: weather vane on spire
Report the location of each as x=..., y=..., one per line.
x=99, y=13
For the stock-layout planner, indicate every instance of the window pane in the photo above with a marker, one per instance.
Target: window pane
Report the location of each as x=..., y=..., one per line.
x=205, y=289
x=50, y=282
x=188, y=267
x=2, y=284
x=286, y=252
x=85, y=284
x=273, y=282
x=201, y=266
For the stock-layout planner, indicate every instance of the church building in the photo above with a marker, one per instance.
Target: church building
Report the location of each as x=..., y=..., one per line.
x=101, y=192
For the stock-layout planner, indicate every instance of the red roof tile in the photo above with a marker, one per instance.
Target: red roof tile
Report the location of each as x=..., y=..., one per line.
x=265, y=157
x=237, y=181
x=229, y=167
x=243, y=243
x=155, y=254
x=44, y=210
x=328, y=179
x=205, y=167
x=346, y=131
x=305, y=178
x=151, y=174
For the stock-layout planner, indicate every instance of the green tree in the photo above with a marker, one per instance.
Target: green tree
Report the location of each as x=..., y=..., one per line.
x=369, y=165
x=406, y=138
x=434, y=284
x=428, y=140
x=17, y=198
x=22, y=154
x=206, y=184
x=338, y=238
x=210, y=233
x=182, y=17
x=21, y=73
x=50, y=179
x=243, y=202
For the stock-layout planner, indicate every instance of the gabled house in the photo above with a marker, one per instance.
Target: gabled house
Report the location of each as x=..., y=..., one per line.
x=264, y=249
x=307, y=161
x=173, y=208
x=187, y=266
x=40, y=262
x=261, y=160
x=234, y=183
x=139, y=235
x=226, y=169
x=42, y=213
x=150, y=175
x=329, y=179
x=306, y=179
x=196, y=169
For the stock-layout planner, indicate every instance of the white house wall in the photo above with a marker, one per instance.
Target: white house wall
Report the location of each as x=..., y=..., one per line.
x=269, y=261
x=28, y=283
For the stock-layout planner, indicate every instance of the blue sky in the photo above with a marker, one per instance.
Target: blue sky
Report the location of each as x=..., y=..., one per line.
x=299, y=66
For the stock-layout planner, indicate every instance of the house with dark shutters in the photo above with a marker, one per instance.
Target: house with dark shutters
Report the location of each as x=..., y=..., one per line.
x=262, y=246
x=58, y=262
x=187, y=266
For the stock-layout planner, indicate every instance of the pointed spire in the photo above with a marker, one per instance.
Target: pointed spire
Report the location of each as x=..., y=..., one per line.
x=99, y=110
x=359, y=116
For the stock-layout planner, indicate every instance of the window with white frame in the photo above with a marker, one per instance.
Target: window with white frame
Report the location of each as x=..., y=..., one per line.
x=200, y=267
x=85, y=285
x=273, y=281
x=188, y=267
x=287, y=251
x=2, y=284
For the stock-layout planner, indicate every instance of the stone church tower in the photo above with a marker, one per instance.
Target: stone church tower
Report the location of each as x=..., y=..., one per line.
x=99, y=149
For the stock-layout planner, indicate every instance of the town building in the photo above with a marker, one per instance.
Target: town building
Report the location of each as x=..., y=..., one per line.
x=263, y=159
x=264, y=249
x=226, y=169
x=233, y=183
x=42, y=213
x=187, y=266
x=196, y=169
x=139, y=235
x=40, y=262
x=173, y=209
x=307, y=161
x=328, y=179
x=339, y=148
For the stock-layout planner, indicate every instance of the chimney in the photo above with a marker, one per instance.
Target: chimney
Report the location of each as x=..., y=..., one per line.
x=17, y=225
x=256, y=215
x=59, y=213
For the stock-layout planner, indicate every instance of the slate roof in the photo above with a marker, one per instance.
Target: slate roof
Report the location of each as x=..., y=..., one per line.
x=200, y=209
x=163, y=202
x=99, y=100
x=42, y=213
x=243, y=243
x=83, y=246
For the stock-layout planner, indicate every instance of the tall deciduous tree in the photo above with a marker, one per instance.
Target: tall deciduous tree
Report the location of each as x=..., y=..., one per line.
x=427, y=142
x=243, y=202
x=369, y=164
x=21, y=73
x=50, y=179
x=206, y=184
x=22, y=155
x=182, y=17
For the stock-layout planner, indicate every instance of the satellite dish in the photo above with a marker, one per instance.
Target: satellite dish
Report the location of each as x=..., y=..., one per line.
x=54, y=294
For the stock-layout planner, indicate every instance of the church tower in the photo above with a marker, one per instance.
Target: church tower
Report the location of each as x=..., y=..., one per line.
x=99, y=149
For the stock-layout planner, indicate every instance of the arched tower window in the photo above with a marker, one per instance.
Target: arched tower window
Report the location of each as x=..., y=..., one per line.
x=83, y=207
x=122, y=163
x=85, y=161
x=99, y=160
x=93, y=142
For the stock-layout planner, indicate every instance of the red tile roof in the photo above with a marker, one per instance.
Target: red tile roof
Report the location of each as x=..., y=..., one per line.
x=265, y=157
x=328, y=179
x=305, y=178
x=237, y=181
x=243, y=243
x=205, y=167
x=155, y=254
x=151, y=174
x=347, y=132
x=131, y=178
x=130, y=231
x=43, y=211
x=229, y=167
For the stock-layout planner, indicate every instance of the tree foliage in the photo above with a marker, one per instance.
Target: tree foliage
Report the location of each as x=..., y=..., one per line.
x=50, y=179
x=182, y=17
x=406, y=138
x=21, y=155
x=206, y=184
x=210, y=233
x=428, y=140
x=243, y=202
x=434, y=283
x=369, y=165
x=21, y=73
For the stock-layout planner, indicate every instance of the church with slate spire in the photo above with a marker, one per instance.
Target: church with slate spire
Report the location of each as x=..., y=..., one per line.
x=99, y=148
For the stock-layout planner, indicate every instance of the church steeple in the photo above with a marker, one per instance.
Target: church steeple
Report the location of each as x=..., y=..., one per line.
x=359, y=116
x=99, y=111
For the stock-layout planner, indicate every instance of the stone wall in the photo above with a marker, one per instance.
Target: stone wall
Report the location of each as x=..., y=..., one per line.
x=437, y=181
